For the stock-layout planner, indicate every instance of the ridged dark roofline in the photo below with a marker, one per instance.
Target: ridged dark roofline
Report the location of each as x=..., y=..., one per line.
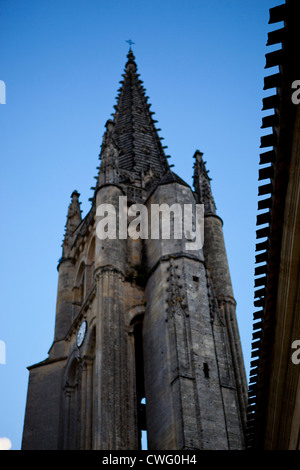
x=274, y=179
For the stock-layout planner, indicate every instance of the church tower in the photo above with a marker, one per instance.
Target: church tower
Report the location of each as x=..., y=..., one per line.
x=146, y=336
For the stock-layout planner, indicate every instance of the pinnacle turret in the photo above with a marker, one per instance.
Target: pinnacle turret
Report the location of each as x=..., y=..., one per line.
x=109, y=170
x=202, y=184
x=73, y=219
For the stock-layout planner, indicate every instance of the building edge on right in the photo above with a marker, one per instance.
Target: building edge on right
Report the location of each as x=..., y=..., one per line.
x=273, y=421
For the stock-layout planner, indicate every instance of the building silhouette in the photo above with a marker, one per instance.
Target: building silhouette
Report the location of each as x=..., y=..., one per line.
x=146, y=336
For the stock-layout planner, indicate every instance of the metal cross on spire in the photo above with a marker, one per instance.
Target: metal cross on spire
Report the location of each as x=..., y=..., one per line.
x=130, y=42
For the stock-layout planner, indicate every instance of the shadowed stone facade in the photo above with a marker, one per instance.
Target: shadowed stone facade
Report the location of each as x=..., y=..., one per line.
x=160, y=322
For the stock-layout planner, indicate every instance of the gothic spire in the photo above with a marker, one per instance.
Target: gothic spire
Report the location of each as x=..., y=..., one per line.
x=131, y=136
x=202, y=184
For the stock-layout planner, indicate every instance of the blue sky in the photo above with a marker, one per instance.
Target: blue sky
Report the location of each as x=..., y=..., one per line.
x=202, y=64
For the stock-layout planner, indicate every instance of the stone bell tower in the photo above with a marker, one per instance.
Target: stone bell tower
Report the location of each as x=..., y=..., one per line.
x=146, y=336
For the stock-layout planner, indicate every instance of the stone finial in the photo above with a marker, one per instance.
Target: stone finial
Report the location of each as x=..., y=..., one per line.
x=74, y=212
x=130, y=64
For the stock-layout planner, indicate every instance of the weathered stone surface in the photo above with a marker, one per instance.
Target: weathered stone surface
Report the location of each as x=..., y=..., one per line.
x=159, y=318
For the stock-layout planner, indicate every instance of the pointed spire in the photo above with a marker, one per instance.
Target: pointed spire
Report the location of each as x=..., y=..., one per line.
x=202, y=184
x=132, y=137
x=73, y=219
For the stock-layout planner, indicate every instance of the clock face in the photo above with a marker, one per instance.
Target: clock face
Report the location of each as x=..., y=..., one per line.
x=81, y=334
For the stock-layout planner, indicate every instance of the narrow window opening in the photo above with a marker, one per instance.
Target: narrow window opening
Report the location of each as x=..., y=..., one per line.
x=140, y=387
x=144, y=439
x=195, y=278
x=206, y=370
x=81, y=288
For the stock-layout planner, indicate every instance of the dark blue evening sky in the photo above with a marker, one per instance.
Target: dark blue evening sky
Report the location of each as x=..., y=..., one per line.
x=202, y=63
